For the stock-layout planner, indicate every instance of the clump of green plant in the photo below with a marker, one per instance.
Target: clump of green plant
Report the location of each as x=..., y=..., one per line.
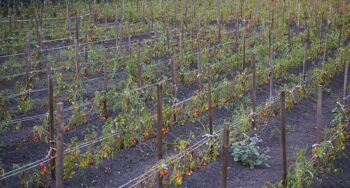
x=301, y=173
x=249, y=153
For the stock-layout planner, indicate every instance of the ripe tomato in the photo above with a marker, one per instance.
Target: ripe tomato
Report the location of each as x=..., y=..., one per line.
x=44, y=171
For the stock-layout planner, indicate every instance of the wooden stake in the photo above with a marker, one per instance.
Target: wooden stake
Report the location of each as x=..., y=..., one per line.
x=76, y=59
x=283, y=153
x=199, y=66
x=105, y=78
x=160, y=126
x=304, y=62
x=59, y=146
x=243, y=59
x=139, y=66
x=129, y=43
x=210, y=113
x=270, y=66
x=116, y=27
x=123, y=10
x=51, y=124
x=345, y=81
x=174, y=88
x=69, y=28
x=77, y=27
x=27, y=60
x=38, y=19
x=181, y=46
x=225, y=148
x=86, y=52
x=289, y=34
x=340, y=36
x=254, y=92
x=319, y=115
x=167, y=38
x=218, y=22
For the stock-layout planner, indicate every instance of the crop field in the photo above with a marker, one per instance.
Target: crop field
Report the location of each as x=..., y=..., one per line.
x=174, y=93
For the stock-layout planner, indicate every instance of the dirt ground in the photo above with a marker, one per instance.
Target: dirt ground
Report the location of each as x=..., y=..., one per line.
x=300, y=131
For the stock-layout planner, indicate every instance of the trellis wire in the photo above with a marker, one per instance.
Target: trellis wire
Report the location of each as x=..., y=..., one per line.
x=134, y=182
x=203, y=50
x=118, y=58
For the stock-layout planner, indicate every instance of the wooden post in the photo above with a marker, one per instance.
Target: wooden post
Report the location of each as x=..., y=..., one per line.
x=175, y=11
x=319, y=114
x=289, y=34
x=51, y=124
x=345, y=81
x=27, y=61
x=86, y=52
x=174, y=88
x=59, y=146
x=38, y=19
x=91, y=13
x=69, y=29
x=210, y=112
x=325, y=49
x=139, y=66
x=218, y=22
x=105, y=78
x=237, y=25
x=254, y=92
x=283, y=153
x=167, y=37
x=304, y=62
x=270, y=66
x=225, y=148
x=129, y=43
x=340, y=36
x=282, y=11
x=76, y=58
x=181, y=46
x=199, y=66
x=77, y=27
x=116, y=27
x=160, y=126
x=243, y=59
x=123, y=10
x=298, y=17
x=9, y=14
x=121, y=39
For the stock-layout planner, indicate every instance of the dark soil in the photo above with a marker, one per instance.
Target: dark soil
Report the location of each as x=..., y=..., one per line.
x=340, y=175
x=128, y=164
x=300, y=130
x=18, y=147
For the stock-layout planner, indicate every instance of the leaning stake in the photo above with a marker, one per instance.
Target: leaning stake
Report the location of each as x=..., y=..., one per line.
x=160, y=125
x=210, y=114
x=59, y=146
x=319, y=114
x=345, y=80
x=225, y=147
x=51, y=124
x=283, y=139
x=254, y=92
